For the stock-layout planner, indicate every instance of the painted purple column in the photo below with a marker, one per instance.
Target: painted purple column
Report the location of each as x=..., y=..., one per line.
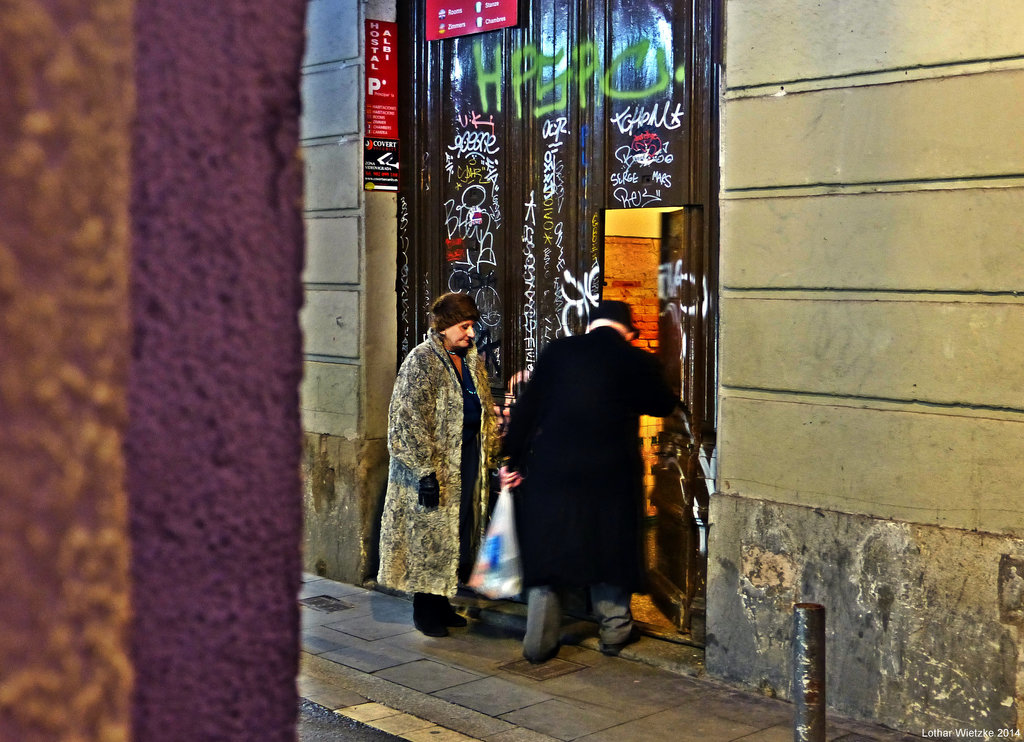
x=214, y=437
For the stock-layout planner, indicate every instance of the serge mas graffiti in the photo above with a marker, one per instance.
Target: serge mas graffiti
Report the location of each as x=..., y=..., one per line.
x=552, y=75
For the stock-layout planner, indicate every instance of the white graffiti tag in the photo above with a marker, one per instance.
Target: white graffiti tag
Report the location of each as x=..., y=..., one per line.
x=632, y=120
x=576, y=313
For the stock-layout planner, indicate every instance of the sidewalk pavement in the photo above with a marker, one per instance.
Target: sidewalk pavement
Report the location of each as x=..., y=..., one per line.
x=363, y=658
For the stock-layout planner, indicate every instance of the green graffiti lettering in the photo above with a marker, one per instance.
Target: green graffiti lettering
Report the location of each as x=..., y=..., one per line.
x=637, y=52
x=556, y=79
x=585, y=61
x=486, y=77
x=530, y=66
x=525, y=66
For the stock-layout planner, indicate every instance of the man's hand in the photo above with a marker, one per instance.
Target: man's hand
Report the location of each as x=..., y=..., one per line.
x=509, y=478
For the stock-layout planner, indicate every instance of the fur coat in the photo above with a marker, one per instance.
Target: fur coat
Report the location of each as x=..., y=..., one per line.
x=419, y=547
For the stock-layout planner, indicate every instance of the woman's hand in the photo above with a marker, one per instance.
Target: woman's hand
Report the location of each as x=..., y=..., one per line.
x=509, y=478
x=429, y=491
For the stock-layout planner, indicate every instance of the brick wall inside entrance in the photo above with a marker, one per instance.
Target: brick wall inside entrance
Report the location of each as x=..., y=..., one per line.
x=631, y=275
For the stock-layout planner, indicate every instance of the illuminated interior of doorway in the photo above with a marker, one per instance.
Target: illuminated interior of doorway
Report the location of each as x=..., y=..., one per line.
x=631, y=258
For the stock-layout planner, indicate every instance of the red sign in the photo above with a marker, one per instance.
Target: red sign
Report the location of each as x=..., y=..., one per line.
x=447, y=18
x=454, y=251
x=381, y=79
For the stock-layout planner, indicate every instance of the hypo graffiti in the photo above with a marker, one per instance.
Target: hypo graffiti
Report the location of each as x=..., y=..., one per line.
x=551, y=75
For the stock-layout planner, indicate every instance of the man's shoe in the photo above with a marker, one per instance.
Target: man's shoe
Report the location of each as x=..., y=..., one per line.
x=454, y=619
x=612, y=650
x=540, y=660
x=430, y=629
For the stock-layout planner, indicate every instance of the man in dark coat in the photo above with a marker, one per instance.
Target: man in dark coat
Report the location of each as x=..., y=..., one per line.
x=573, y=454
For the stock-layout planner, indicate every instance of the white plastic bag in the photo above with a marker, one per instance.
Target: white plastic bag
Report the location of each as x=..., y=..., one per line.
x=498, y=572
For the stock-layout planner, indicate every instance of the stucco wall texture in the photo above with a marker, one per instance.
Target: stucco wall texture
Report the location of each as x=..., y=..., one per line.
x=917, y=626
x=64, y=340
x=870, y=418
x=214, y=440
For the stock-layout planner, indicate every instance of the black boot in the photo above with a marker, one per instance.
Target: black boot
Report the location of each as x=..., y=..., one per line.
x=426, y=617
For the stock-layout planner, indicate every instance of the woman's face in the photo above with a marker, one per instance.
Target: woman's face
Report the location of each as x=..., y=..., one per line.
x=459, y=335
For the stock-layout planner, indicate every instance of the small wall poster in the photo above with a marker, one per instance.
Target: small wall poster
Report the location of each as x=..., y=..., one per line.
x=380, y=164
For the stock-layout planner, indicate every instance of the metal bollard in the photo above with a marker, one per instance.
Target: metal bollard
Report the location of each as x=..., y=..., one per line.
x=809, y=672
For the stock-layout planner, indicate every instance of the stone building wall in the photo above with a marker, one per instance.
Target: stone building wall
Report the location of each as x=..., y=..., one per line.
x=349, y=318
x=871, y=424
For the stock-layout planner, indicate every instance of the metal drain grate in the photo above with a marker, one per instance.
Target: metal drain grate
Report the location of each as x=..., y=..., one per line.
x=325, y=603
x=553, y=668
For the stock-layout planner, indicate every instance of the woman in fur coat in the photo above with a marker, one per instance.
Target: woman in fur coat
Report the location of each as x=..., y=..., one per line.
x=442, y=437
